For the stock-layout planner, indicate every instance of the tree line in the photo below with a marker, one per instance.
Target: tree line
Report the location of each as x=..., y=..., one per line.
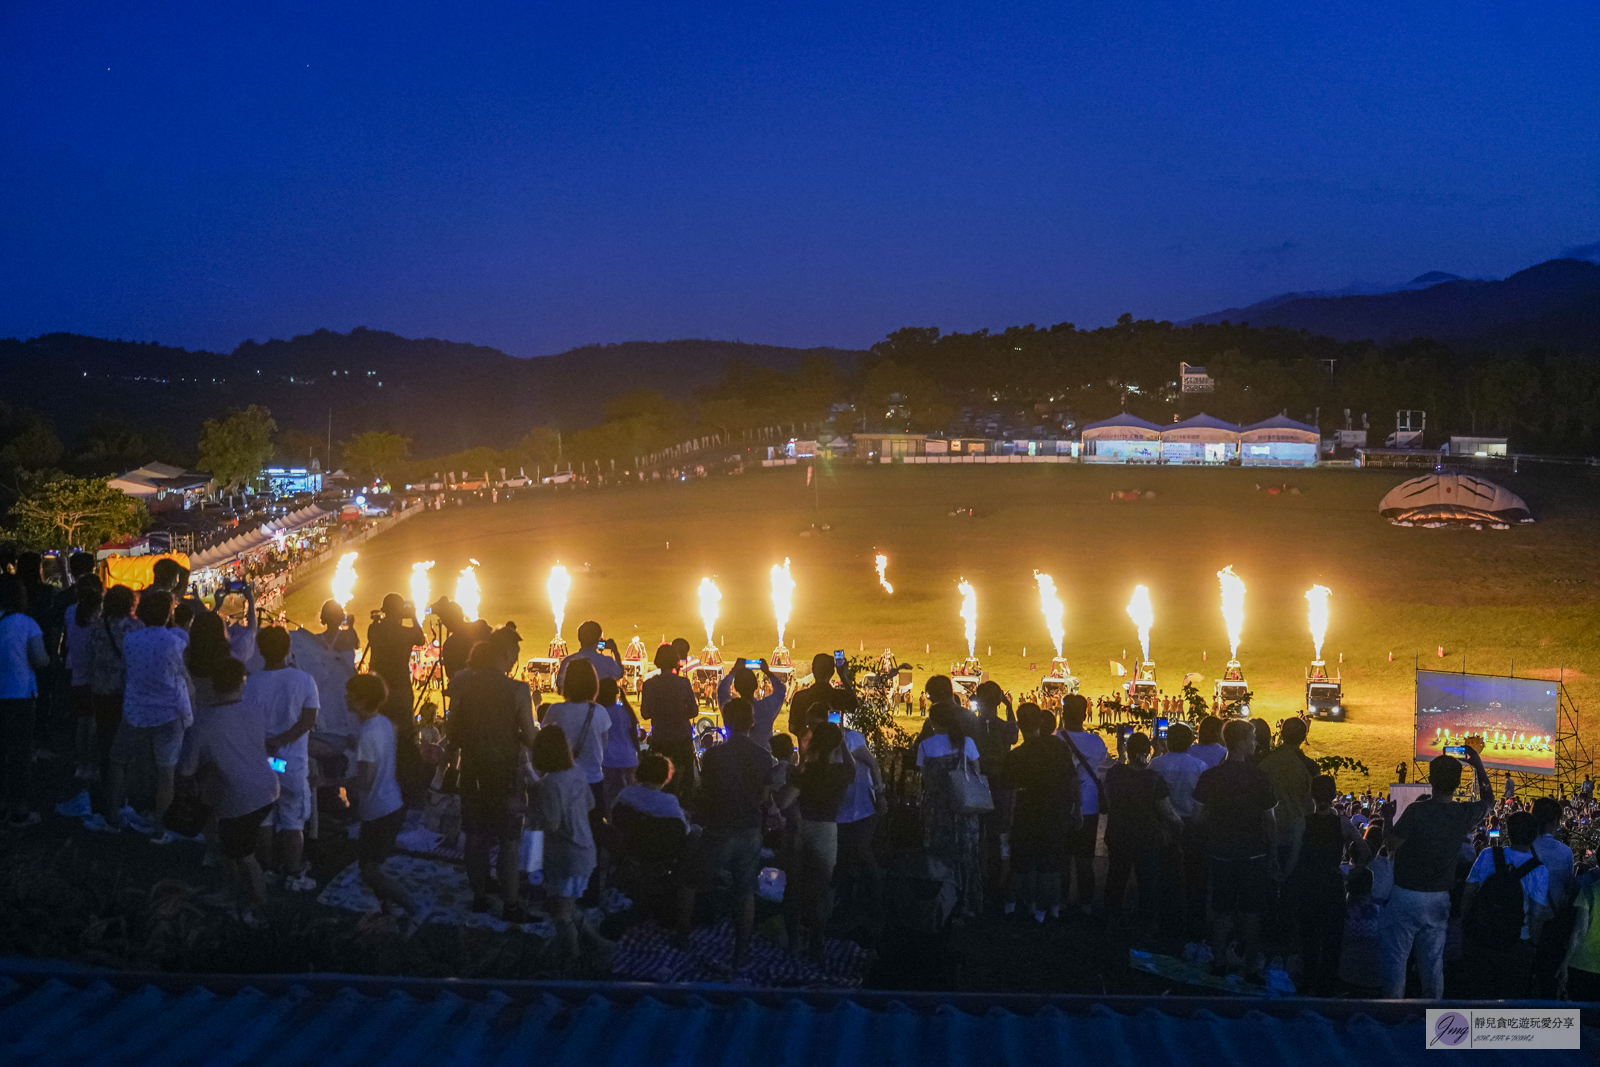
x=916, y=378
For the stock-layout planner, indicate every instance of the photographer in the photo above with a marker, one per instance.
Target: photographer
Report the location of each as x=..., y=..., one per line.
x=391, y=637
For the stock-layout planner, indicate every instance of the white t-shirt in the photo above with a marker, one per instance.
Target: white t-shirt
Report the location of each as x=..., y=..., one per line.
x=587, y=752
x=1557, y=859
x=377, y=748
x=1180, y=771
x=16, y=674
x=857, y=803
x=1092, y=747
x=1210, y=755
x=939, y=745
x=282, y=695
x=330, y=670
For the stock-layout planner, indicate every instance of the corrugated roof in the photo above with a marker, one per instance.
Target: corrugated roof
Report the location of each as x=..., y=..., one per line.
x=1123, y=419
x=102, y=1019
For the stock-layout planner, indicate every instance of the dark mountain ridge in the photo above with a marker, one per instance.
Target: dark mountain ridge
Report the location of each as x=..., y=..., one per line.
x=1554, y=305
x=444, y=395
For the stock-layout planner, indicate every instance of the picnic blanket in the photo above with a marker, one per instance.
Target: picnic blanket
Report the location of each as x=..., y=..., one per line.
x=1278, y=983
x=439, y=889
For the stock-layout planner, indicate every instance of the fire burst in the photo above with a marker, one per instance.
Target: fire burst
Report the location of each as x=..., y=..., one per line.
x=558, y=586
x=882, y=563
x=782, y=596
x=1143, y=617
x=1317, y=596
x=344, y=579
x=969, y=613
x=1050, y=604
x=467, y=591
x=710, y=597
x=420, y=590
x=1232, y=607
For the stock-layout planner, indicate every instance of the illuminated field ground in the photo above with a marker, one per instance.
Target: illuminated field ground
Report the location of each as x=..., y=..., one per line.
x=1527, y=594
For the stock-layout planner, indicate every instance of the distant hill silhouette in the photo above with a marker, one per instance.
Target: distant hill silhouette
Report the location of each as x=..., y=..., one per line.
x=445, y=395
x=1554, y=305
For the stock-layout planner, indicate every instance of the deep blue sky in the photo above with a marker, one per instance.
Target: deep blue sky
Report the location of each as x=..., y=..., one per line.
x=536, y=176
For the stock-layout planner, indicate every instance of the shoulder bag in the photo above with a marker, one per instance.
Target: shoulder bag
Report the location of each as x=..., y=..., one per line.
x=972, y=790
x=1099, y=791
x=583, y=734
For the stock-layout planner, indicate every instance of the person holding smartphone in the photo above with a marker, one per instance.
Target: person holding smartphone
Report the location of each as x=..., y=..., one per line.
x=822, y=692
x=1425, y=843
x=742, y=681
x=230, y=738
x=288, y=701
x=601, y=652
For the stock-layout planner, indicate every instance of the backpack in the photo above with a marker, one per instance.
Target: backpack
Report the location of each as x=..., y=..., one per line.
x=1497, y=918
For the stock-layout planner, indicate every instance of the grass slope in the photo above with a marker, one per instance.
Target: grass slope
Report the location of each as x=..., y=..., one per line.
x=1527, y=594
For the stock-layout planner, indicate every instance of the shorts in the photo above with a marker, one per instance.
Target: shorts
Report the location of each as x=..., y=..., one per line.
x=1238, y=886
x=571, y=888
x=736, y=851
x=293, y=807
x=164, y=743
x=817, y=844
x=239, y=833
x=377, y=837
x=1081, y=842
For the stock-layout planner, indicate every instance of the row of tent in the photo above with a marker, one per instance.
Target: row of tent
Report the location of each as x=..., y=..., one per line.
x=241, y=544
x=1278, y=441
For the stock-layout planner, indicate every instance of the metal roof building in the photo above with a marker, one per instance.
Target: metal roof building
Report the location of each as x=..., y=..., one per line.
x=174, y=1021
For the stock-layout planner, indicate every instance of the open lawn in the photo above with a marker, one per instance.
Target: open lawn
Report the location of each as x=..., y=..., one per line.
x=1526, y=595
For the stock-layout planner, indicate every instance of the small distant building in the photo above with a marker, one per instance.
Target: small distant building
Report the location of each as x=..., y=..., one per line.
x=286, y=481
x=1122, y=438
x=969, y=446
x=163, y=487
x=887, y=446
x=1279, y=442
x=1200, y=439
x=1192, y=379
x=1478, y=446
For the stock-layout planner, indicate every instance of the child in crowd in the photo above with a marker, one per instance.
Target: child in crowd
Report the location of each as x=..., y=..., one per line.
x=431, y=739
x=649, y=796
x=561, y=804
x=1360, y=955
x=374, y=791
x=229, y=738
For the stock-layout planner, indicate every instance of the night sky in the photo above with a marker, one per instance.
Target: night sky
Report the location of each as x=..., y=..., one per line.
x=535, y=176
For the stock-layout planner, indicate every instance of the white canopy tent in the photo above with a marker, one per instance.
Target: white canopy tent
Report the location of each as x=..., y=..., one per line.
x=242, y=544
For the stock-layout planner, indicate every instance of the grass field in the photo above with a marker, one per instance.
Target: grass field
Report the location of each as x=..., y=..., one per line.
x=1526, y=595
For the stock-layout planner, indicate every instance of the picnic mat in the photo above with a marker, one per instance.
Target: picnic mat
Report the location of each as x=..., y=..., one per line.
x=645, y=953
x=439, y=889
x=1178, y=970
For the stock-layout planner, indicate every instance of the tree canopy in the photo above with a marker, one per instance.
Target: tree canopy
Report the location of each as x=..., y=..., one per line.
x=235, y=449
x=64, y=512
x=376, y=454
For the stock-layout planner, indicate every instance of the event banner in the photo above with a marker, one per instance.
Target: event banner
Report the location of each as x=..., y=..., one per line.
x=1515, y=718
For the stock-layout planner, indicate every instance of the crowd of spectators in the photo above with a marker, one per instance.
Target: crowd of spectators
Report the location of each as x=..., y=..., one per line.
x=1224, y=838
